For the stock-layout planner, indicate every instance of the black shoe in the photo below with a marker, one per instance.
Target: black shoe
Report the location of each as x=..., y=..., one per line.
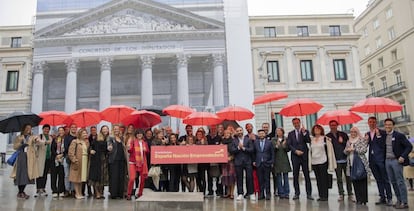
x=296, y=197
x=322, y=199
x=261, y=198
x=246, y=196
x=268, y=198
x=309, y=197
x=389, y=203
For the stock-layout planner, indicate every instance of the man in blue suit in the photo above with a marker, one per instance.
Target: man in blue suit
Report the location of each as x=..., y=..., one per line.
x=396, y=157
x=264, y=155
x=376, y=142
x=242, y=149
x=297, y=142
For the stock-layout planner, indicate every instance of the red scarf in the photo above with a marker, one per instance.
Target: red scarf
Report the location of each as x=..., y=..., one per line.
x=141, y=161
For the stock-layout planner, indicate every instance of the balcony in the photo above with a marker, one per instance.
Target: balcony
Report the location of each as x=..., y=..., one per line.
x=398, y=120
x=386, y=91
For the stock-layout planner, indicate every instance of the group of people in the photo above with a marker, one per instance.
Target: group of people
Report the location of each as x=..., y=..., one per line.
x=81, y=162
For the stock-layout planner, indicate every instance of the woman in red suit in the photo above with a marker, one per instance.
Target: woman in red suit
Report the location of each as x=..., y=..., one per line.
x=138, y=150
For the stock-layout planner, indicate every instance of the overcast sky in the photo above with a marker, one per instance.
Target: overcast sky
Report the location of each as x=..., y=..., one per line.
x=21, y=12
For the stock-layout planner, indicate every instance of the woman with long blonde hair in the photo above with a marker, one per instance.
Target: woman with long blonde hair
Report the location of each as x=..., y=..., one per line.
x=98, y=174
x=78, y=155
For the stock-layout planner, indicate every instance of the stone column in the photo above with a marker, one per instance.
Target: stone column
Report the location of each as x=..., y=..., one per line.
x=182, y=79
x=71, y=85
x=105, y=85
x=324, y=76
x=146, y=80
x=291, y=70
x=218, y=84
x=37, y=89
x=357, y=71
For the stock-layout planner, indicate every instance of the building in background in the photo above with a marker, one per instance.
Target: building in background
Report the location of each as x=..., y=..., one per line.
x=386, y=47
x=307, y=56
x=91, y=54
x=15, y=72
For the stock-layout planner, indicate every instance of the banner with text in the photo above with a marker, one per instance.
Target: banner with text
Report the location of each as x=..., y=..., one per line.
x=189, y=154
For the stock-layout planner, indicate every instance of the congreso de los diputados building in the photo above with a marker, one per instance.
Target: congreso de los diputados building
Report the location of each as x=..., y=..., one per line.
x=141, y=53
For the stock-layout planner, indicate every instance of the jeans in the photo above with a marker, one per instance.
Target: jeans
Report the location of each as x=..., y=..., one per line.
x=380, y=175
x=283, y=184
x=395, y=174
x=68, y=184
x=341, y=168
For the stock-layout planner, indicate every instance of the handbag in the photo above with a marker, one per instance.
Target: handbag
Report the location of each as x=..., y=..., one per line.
x=12, y=159
x=154, y=171
x=330, y=181
x=412, y=161
x=358, y=171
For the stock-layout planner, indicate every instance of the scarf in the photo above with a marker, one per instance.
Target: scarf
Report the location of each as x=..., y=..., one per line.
x=140, y=157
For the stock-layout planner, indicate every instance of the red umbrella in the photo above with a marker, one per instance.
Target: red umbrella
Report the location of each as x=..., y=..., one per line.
x=142, y=119
x=235, y=113
x=116, y=113
x=178, y=111
x=84, y=118
x=300, y=107
x=343, y=117
x=202, y=118
x=53, y=118
x=376, y=105
x=269, y=97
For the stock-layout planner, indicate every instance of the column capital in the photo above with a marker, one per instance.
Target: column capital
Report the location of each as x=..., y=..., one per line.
x=39, y=67
x=72, y=65
x=106, y=63
x=182, y=59
x=218, y=59
x=147, y=61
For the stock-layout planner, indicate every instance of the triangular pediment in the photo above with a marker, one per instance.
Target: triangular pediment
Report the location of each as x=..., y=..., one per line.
x=130, y=16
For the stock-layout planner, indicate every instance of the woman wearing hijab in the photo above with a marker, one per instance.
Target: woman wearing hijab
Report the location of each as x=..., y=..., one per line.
x=357, y=146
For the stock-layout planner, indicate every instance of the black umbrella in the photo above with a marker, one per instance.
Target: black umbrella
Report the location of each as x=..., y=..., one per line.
x=16, y=120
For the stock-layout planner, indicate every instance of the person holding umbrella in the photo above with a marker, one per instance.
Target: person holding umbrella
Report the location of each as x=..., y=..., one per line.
x=297, y=142
x=25, y=169
x=376, y=158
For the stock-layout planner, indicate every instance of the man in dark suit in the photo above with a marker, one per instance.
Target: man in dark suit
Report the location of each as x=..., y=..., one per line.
x=264, y=155
x=376, y=143
x=396, y=157
x=242, y=149
x=297, y=142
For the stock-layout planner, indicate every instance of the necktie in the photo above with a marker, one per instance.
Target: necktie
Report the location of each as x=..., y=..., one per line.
x=262, y=145
x=297, y=135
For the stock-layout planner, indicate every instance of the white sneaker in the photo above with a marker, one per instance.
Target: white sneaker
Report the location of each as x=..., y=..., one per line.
x=55, y=195
x=62, y=194
x=252, y=197
x=240, y=197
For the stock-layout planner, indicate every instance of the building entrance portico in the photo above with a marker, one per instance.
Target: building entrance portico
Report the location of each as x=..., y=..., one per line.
x=120, y=53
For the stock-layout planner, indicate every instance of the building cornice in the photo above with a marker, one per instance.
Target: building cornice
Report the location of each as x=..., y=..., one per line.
x=118, y=38
x=305, y=39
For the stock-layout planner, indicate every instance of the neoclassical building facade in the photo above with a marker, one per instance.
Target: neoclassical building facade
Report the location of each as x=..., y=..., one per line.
x=307, y=56
x=137, y=53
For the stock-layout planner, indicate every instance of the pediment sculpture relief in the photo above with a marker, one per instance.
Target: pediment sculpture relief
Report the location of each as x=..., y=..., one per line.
x=124, y=23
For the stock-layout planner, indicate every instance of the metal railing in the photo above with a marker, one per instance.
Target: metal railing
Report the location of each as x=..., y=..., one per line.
x=394, y=88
